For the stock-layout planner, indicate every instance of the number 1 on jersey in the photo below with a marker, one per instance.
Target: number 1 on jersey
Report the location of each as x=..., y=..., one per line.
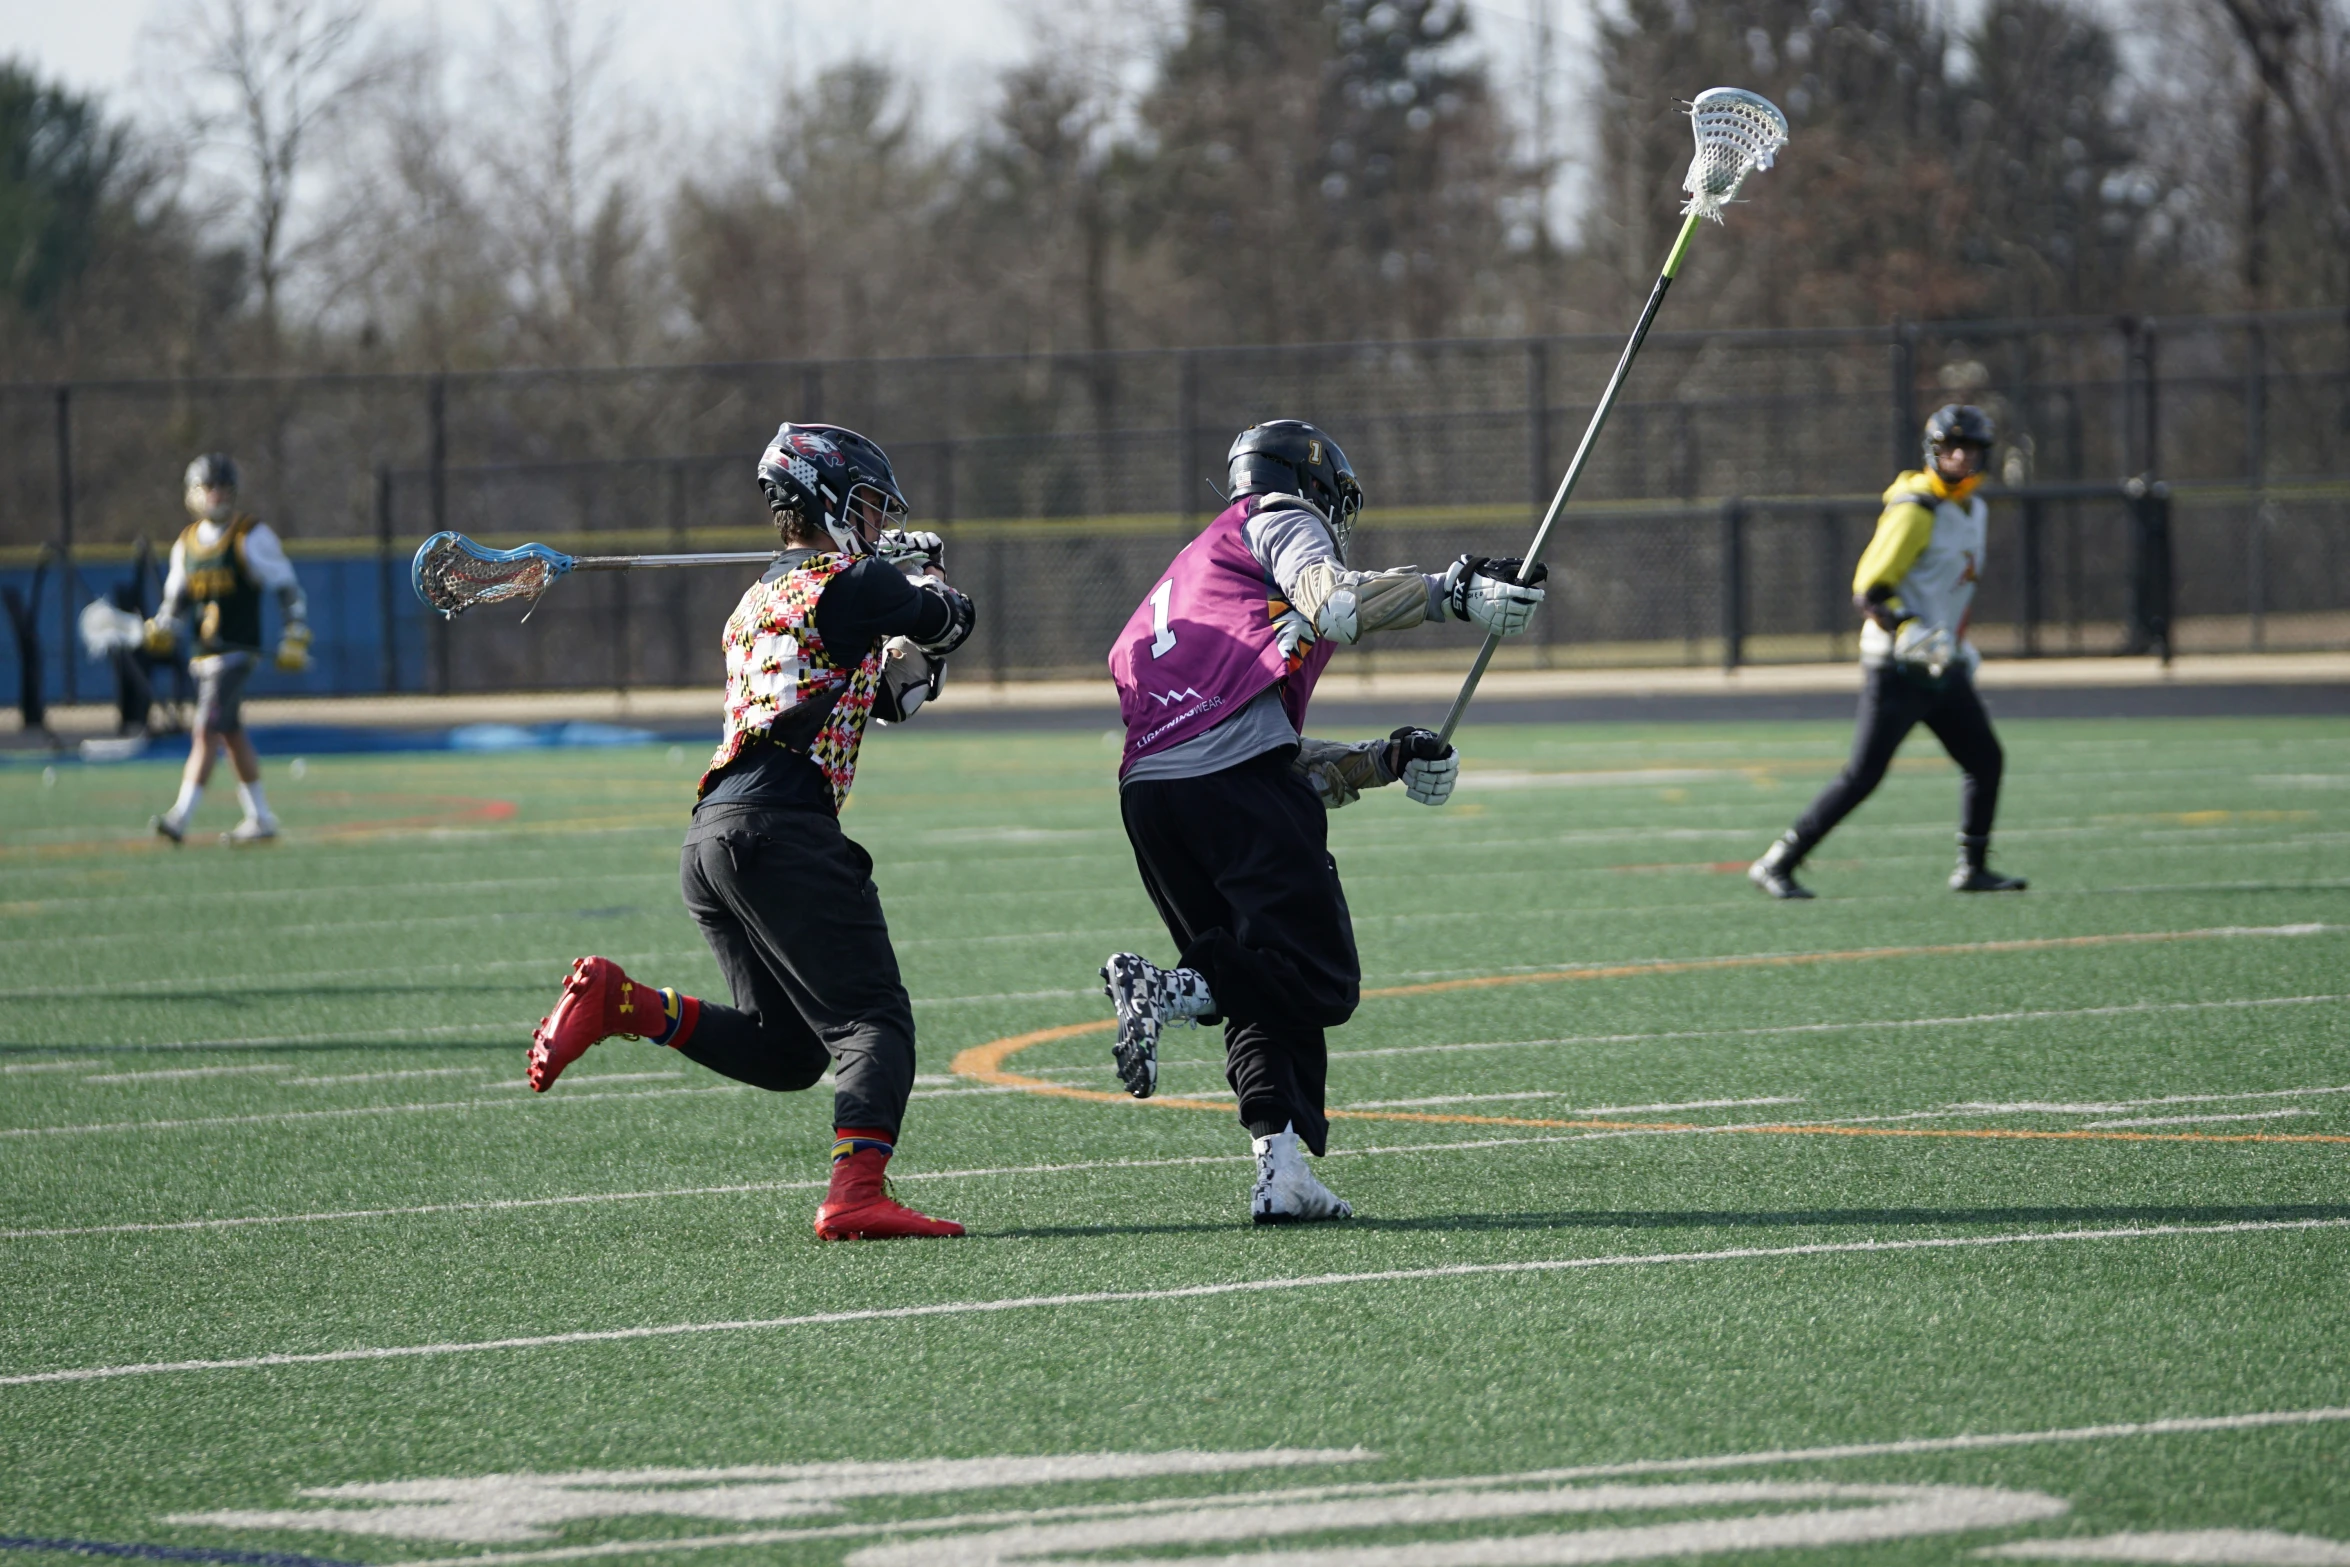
x=1161, y=637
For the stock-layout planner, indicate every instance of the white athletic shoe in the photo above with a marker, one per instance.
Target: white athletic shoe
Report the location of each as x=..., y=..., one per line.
x=1148, y=997
x=253, y=829
x=1287, y=1192
x=169, y=826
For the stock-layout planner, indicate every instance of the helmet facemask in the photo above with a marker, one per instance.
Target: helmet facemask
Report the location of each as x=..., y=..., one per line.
x=863, y=515
x=211, y=503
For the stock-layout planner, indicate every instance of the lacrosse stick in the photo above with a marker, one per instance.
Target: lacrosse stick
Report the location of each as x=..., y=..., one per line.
x=452, y=573
x=1737, y=133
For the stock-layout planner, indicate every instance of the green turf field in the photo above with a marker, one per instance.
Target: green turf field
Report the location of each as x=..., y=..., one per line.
x=1691, y=1223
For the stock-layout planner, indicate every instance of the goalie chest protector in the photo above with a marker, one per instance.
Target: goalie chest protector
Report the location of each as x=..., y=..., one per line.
x=219, y=581
x=777, y=663
x=1206, y=641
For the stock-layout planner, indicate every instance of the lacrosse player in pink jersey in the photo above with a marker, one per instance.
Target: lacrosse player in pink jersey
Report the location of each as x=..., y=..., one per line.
x=1226, y=800
x=852, y=621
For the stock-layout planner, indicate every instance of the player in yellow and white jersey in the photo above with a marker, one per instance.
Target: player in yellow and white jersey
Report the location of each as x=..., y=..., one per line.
x=220, y=566
x=1915, y=587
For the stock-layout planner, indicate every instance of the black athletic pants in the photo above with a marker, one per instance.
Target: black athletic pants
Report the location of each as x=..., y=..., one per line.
x=1891, y=705
x=1239, y=865
x=787, y=903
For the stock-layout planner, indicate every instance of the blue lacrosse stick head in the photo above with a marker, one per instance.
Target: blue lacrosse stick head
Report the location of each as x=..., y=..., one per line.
x=452, y=573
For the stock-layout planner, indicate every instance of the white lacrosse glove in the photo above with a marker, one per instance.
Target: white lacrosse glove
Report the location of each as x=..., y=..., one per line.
x=915, y=554
x=909, y=678
x=1926, y=650
x=1426, y=765
x=1487, y=591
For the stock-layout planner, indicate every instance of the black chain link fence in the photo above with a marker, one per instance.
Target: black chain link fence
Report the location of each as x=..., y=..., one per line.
x=2180, y=484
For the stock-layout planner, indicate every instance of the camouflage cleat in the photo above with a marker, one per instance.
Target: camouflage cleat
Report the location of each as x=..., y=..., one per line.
x=1147, y=998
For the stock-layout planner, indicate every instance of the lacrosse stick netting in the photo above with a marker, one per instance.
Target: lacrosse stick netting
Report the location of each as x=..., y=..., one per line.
x=1737, y=132
x=453, y=573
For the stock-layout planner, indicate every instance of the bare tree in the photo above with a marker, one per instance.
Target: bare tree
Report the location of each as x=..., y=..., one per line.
x=262, y=81
x=2299, y=51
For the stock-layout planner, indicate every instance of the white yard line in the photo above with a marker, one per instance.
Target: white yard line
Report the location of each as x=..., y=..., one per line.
x=78, y=1064
x=258, y=1118
x=169, y=1074
x=969, y=1308
x=2197, y=1120
x=585, y=1199
x=384, y=1077
x=2108, y=1106
x=1469, y=1099
x=1960, y=1020
x=594, y=1078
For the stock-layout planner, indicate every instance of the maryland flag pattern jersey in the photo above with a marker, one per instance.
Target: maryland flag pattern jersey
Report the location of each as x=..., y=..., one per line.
x=221, y=584
x=777, y=663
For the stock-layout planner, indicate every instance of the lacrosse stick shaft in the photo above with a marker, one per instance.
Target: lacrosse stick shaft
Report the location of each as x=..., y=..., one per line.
x=1566, y=489
x=640, y=562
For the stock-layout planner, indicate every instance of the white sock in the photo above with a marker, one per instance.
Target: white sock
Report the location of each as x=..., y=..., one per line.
x=250, y=797
x=185, y=806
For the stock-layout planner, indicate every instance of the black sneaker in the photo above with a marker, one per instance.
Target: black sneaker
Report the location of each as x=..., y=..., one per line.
x=1779, y=881
x=165, y=827
x=1979, y=878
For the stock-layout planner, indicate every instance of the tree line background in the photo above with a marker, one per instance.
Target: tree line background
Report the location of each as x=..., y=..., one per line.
x=308, y=189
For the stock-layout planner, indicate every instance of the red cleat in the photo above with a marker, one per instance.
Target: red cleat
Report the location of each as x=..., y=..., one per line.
x=598, y=1002
x=859, y=1208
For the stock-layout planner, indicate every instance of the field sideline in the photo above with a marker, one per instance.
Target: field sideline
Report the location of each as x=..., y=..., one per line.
x=1893, y=1227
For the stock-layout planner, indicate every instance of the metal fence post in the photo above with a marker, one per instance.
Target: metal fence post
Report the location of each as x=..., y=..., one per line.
x=1905, y=390
x=65, y=574
x=1187, y=438
x=2256, y=470
x=436, y=407
x=384, y=572
x=2150, y=568
x=680, y=631
x=2034, y=518
x=1733, y=583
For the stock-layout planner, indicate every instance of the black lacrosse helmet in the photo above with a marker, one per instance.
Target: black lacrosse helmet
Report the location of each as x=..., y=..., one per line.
x=1291, y=457
x=210, y=469
x=832, y=476
x=1959, y=424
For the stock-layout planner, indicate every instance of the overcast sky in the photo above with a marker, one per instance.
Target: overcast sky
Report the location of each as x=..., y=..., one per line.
x=677, y=51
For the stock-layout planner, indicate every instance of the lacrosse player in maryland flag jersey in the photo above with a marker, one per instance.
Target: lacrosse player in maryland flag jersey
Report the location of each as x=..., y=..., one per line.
x=221, y=564
x=1915, y=587
x=851, y=622
x=1226, y=801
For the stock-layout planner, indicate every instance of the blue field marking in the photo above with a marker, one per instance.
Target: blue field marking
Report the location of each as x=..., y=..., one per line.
x=169, y=1553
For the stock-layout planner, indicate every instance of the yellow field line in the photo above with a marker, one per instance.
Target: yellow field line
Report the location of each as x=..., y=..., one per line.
x=985, y=1063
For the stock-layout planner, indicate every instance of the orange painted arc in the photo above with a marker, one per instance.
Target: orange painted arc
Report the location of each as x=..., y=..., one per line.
x=986, y=1063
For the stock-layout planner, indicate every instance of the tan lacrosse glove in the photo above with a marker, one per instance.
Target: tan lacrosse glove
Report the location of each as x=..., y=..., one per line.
x=160, y=638
x=293, y=649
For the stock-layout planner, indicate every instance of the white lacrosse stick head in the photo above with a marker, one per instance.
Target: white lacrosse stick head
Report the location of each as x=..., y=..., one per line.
x=107, y=629
x=1737, y=133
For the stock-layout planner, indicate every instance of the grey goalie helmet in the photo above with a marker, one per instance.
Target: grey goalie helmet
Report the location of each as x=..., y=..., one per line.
x=835, y=478
x=1291, y=457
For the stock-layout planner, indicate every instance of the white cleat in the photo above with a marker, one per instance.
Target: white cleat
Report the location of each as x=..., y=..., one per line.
x=1287, y=1192
x=1147, y=998
x=253, y=829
